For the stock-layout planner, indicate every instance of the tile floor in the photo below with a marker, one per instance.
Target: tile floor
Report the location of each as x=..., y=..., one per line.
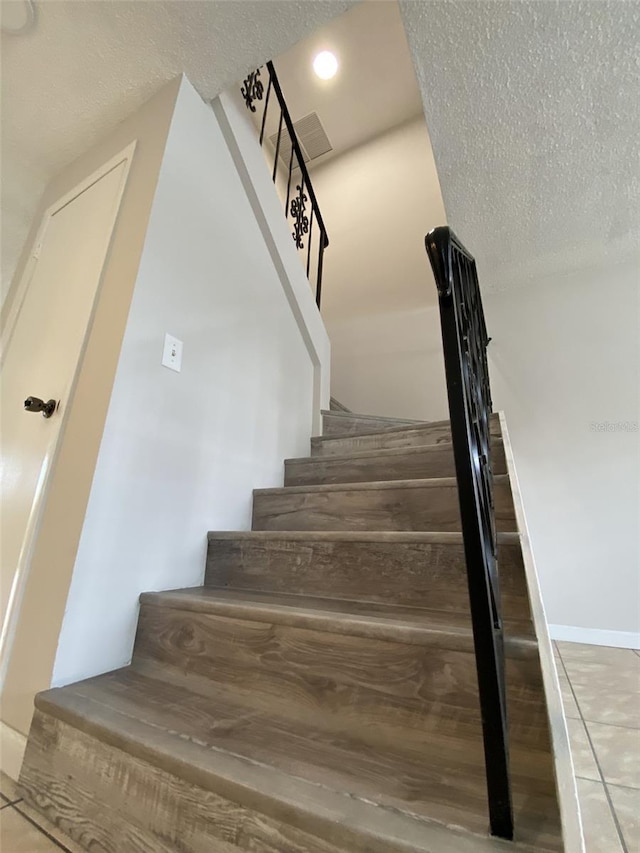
x=601, y=692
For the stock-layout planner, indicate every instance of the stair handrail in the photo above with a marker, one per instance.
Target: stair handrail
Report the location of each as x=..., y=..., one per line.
x=252, y=90
x=464, y=338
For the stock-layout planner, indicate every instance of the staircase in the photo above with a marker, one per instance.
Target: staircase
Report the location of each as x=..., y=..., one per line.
x=318, y=694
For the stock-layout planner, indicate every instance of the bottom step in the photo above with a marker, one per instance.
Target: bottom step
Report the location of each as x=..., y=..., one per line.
x=126, y=762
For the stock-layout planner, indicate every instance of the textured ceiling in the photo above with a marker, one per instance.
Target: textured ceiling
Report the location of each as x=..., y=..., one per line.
x=533, y=112
x=85, y=66
x=532, y=108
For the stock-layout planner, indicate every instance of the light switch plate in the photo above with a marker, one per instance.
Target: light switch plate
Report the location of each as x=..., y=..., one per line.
x=172, y=353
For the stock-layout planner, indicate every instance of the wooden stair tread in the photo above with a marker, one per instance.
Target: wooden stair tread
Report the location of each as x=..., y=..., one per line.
x=345, y=423
x=415, y=462
x=375, y=453
x=373, y=486
x=506, y=538
x=359, y=618
x=416, y=504
x=400, y=427
x=219, y=742
x=367, y=417
x=426, y=433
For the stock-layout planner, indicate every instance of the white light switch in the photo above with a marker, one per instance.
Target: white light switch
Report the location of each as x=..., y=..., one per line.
x=172, y=353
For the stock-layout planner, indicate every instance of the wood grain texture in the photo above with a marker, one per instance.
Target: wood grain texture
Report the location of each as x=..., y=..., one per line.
x=413, y=625
x=388, y=774
x=380, y=676
x=402, y=505
x=69, y=774
x=245, y=689
x=344, y=682
x=412, y=463
x=217, y=739
x=319, y=694
x=416, y=569
x=436, y=432
x=346, y=423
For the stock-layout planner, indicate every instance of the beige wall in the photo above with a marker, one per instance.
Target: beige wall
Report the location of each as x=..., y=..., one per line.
x=43, y=607
x=378, y=202
x=565, y=368
x=391, y=364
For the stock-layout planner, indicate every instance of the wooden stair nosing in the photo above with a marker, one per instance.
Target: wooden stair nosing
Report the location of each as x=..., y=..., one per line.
x=338, y=616
x=371, y=485
x=400, y=428
x=421, y=426
x=384, y=452
x=382, y=464
x=507, y=538
x=362, y=417
x=346, y=423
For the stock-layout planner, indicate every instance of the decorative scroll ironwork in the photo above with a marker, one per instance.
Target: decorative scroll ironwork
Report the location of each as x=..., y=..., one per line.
x=252, y=89
x=296, y=206
x=300, y=220
x=464, y=337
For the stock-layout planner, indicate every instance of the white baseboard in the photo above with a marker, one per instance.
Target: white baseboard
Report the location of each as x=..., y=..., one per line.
x=12, y=747
x=596, y=636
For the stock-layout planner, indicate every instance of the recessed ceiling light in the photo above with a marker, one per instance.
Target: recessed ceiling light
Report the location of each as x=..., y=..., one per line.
x=17, y=16
x=325, y=65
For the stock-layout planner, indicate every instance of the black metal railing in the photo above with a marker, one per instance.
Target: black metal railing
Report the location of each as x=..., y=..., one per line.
x=464, y=338
x=295, y=209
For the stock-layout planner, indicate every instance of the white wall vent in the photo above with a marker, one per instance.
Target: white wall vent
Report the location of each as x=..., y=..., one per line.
x=311, y=136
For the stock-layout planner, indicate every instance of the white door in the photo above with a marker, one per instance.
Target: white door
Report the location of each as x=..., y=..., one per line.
x=42, y=349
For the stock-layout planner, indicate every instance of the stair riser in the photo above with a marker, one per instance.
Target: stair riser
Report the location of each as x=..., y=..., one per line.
x=428, y=508
x=414, y=574
x=435, y=433
x=348, y=683
x=343, y=424
x=69, y=776
x=415, y=463
x=379, y=689
x=107, y=799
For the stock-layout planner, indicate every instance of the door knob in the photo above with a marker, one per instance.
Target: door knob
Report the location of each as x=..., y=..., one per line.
x=35, y=404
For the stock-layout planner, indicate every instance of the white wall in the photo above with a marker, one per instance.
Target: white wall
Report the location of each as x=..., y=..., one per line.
x=564, y=355
x=538, y=155
x=391, y=364
x=243, y=141
x=181, y=452
x=378, y=201
x=564, y=359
